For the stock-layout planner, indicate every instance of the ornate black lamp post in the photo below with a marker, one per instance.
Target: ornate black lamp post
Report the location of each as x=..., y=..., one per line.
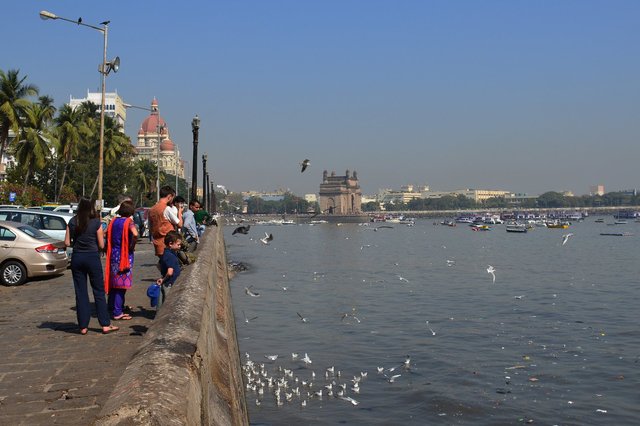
x=195, y=126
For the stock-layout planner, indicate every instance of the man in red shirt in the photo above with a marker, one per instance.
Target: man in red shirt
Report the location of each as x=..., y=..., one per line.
x=160, y=225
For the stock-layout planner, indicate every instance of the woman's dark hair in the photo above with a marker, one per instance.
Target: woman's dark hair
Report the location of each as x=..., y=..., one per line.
x=127, y=209
x=86, y=211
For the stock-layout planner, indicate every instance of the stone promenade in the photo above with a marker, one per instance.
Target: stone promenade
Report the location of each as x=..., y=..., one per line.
x=49, y=373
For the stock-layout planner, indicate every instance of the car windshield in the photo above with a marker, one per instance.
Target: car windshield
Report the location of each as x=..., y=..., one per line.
x=33, y=232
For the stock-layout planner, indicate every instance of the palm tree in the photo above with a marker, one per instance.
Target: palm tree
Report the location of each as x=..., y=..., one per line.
x=144, y=175
x=72, y=132
x=13, y=103
x=35, y=140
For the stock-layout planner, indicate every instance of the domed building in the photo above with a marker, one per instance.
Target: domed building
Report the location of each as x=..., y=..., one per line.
x=155, y=145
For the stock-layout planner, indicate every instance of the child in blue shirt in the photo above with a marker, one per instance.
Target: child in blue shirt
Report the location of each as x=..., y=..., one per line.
x=169, y=264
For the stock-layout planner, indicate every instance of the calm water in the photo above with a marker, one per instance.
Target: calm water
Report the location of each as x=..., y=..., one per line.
x=555, y=340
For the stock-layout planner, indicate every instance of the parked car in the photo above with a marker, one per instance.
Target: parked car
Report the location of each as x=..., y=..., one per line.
x=26, y=252
x=66, y=208
x=51, y=223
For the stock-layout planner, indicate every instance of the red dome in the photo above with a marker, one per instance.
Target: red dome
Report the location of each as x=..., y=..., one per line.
x=167, y=145
x=150, y=124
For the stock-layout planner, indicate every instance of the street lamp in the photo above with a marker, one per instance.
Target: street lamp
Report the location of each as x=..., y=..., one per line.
x=195, y=126
x=204, y=179
x=105, y=68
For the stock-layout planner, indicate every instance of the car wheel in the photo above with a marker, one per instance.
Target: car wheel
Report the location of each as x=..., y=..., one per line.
x=13, y=273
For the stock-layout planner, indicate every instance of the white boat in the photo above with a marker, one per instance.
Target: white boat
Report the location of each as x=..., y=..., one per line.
x=516, y=227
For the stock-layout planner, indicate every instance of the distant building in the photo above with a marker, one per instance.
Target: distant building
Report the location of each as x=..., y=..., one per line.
x=311, y=198
x=154, y=131
x=266, y=196
x=404, y=195
x=596, y=190
x=477, y=195
x=113, y=105
x=340, y=195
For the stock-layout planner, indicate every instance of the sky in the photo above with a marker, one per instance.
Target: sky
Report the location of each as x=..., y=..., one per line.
x=523, y=96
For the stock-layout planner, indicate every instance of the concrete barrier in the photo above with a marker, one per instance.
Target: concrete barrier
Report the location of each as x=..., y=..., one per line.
x=187, y=371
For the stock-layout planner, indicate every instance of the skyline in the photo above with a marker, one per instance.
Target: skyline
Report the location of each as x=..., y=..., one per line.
x=527, y=97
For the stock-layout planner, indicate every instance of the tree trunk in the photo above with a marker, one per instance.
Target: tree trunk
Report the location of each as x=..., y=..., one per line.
x=94, y=188
x=26, y=177
x=64, y=175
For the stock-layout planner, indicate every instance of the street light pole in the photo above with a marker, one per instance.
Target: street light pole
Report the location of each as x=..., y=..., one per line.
x=195, y=127
x=204, y=179
x=104, y=69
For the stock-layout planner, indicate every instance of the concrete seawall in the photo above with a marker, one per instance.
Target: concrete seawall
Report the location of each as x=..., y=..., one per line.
x=187, y=369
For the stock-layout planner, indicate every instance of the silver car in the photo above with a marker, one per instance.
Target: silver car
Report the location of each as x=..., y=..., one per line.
x=54, y=224
x=26, y=252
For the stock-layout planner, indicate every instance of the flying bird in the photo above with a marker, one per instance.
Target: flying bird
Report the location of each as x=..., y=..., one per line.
x=267, y=238
x=241, y=230
x=491, y=270
x=566, y=237
x=248, y=292
x=303, y=319
x=304, y=165
x=306, y=359
x=247, y=320
x=271, y=357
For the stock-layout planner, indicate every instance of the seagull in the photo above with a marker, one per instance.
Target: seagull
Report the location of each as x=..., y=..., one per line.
x=294, y=355
x=306, y=359
x=248, y=292
x=303, y=319
x=304, y=165
x=393, y=378
x=380, y=370
x=451, y=262
x=432, y=332
x=271, y=357
x=349, y=399
x=491, y=270
x=267, y=238
x=247, y=320
x=241, y=230
x=566, y=237
x=401, y=278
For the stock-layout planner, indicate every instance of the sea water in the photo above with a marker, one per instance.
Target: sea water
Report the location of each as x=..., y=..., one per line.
x=554, y=340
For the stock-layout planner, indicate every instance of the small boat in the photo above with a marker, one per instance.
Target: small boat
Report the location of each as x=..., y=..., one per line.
x=448, y=223
x=557, y=225
x=516, y=227
x=620, y=222
x=475, y=227
x=617, y=234
x=601, y=220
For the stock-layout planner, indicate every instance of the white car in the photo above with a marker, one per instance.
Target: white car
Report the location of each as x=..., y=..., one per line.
x=52, y=223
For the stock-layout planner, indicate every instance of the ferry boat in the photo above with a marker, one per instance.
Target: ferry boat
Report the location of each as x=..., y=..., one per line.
x=557, y=225
x=626, y=214
x=464, y=219
x=516, y=227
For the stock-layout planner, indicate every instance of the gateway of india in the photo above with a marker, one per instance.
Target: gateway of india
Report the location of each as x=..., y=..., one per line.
x=341, y=197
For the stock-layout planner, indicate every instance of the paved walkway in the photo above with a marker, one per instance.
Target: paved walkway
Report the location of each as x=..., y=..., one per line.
x=49, y=373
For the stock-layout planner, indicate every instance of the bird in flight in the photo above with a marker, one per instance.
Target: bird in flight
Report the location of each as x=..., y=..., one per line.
x=304, y=165
x=491, y=270
x=267, y=238
x=566, y=237
x=241, y=230
x=303, y=319
x=248, y=292
x=247, y=320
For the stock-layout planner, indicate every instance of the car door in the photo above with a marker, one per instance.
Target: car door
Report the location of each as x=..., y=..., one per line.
x=7, y=242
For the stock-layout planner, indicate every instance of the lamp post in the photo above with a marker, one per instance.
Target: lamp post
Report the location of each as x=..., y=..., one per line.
x=204, y=179
x=105, y=68
x=195, y=126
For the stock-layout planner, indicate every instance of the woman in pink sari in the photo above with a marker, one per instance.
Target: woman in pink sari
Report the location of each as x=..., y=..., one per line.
x=121, y=240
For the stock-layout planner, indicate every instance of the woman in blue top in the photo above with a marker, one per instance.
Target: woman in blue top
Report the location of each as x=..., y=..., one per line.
x=85, y=235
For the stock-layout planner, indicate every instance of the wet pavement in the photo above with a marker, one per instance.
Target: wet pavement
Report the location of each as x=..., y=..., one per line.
x=49, y=372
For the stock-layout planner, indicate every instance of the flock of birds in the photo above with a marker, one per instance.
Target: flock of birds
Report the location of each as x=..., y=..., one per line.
x=299, y=384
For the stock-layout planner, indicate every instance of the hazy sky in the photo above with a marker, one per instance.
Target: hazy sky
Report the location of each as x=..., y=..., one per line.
x=526, y=96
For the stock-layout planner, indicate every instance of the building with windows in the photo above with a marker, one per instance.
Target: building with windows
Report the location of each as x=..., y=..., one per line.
x=155, y=145
x=113, y=105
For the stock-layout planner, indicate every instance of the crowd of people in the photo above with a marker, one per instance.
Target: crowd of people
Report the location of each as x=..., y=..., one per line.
x=173, y=228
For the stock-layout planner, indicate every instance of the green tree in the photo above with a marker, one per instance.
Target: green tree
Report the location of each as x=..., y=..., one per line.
x=13, y=103
x=72, y=131
x=35, y=140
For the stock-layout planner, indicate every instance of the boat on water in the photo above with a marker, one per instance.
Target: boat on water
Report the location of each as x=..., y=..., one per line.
x=476, y=227
x=600, y=220
x=558, y=225
x=620, y=222
x=448, y=223
x=617, y=234
x=516, y=227
x=464, y=219
x=626, y=214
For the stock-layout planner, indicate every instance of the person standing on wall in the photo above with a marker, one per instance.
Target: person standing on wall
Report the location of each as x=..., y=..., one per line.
x=85, y=235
